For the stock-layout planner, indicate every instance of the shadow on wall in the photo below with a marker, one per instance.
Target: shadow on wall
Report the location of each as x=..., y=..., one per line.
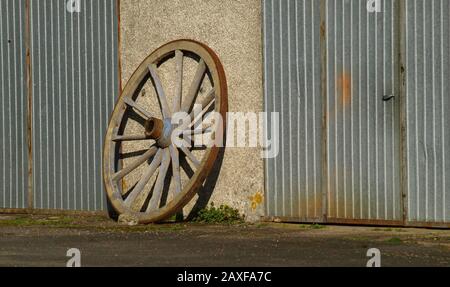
x=205, y=192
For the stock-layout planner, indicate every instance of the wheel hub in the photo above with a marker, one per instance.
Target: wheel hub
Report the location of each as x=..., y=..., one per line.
x=160, y=131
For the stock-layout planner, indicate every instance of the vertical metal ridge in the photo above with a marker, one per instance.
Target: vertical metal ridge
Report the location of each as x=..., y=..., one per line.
x=352, y=164
x=28, y=185
x=384, y=115
x=361, y=211
x=315, y=184
x=369, y=205
x=2, y=109
x=16, y=150
x=403, y=69
x=45, y=96
x=264, y=40
x=394, y=91
x=291, y=213
x=335, y=136
x=86, y=113
x=306, y=95
x=344, y=111
x=326, y=126
x=433, y=111
x=9, y=130
x=283, y=96
x=60, y=96
x=53, y=97
x=442, y=116
x=376, y=120
x=323, y=46
x=79, y=112
x=99, y=79
x=297, y=45
x=94, y=137
x=72, y=120
x=416, y=115
x=425, y=114
x=67, y=169
x=272, y=101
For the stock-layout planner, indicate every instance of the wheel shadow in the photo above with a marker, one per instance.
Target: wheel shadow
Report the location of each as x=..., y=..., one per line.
x=206, y=190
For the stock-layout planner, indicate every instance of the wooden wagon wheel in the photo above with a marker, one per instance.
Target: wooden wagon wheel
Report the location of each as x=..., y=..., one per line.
x=146, y=175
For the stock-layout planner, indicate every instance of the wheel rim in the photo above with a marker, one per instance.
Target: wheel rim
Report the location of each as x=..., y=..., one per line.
x=146, y=175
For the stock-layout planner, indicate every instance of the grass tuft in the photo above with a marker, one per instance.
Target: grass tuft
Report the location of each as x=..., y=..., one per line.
x=222, y=214
x=394, y=240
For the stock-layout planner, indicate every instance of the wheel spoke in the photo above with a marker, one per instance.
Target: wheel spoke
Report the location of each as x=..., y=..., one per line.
x=200, y=117
x=118, y=138
x=195, y=86
x=179, y=81
x=191, y=157
x=190, y=134
x=148, y=173
x=160, y=92
x=175, y=168
x=209, y=98
x=126, y=155
x=137, y=107
x=193, y=118
x=157, y=191
x=129, y=168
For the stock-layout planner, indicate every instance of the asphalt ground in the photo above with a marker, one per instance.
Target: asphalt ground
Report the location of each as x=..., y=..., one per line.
x=45, y=240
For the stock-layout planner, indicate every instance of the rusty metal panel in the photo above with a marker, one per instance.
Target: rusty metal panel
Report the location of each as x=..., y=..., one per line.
x=75, y=84
x=427, y=110
x=292, y=88
x=363, y=131
x=13, y=106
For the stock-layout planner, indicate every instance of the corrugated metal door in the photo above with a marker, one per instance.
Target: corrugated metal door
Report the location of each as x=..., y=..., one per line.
x=427, y=64
x=74, y=76
x=340, y=142
x=75, y=84
x=363, y=131
x=293, y=89
x=13, y=106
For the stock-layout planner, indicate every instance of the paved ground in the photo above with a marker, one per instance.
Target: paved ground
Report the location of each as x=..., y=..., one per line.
x=44, y=241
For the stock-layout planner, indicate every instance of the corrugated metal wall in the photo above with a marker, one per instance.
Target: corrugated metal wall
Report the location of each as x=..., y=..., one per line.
x=292, y=88
x=361, y=142
x=428, y=109
x=75, y=84
x=13, y=106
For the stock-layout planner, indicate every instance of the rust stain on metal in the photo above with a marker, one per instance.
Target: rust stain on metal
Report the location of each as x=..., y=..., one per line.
x=371, y=222
x=344, y=84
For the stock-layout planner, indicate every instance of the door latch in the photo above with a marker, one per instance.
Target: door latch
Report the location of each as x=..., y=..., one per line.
x=388, y=97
